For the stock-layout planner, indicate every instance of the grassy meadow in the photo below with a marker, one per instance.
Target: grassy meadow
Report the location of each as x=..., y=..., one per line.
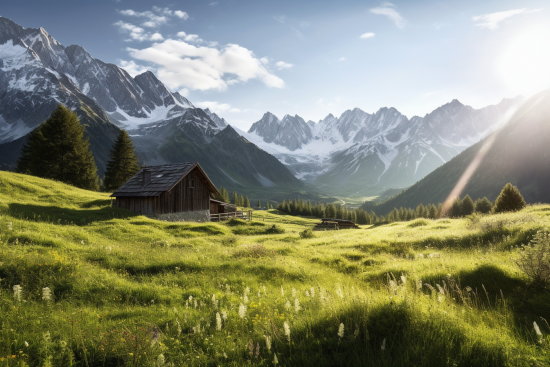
x=126, y=290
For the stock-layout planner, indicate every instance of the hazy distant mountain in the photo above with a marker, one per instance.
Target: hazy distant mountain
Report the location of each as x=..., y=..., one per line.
x=520, y=154
x=364, y=154
x=37, y=73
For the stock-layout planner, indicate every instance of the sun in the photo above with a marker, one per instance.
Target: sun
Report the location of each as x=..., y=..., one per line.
x=524, y=65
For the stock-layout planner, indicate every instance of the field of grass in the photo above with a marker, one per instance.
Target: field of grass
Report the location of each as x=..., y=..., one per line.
x=131, y=291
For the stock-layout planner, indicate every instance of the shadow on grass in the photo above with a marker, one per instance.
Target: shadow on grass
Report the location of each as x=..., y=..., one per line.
x=388, y=335
x=57, y=215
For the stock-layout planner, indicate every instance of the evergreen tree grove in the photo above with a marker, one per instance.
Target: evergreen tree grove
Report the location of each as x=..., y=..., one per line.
x=57, y=150
x=483, y=205
x=467, y=205
x=122, y=164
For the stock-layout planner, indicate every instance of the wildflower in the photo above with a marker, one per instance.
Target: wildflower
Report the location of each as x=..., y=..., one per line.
x=218, y=321
x=537, y=330
x=257, y=349
x=225, y=355
x=214, y=298
x=287, y=330
x=282, y=291
x=195, y=303
x=245, y=298
x=275, y=360
x=287, y=305
x=17, y=292
x=224, y=315
x=341, y=330
x=312, y=292
x=26, y=344
x=265, y=292
x=293, y=293
x=297, y=305
x=178, y=327
x=383, y=347
x=267, y=342
x=156, y=336
x=46, y=294
x=307, y=293
x=242, y=311
x=186, y=304
x=250, y=347
x=160, y=360
x=403, y=280
x=393, y=285
x=259, y=295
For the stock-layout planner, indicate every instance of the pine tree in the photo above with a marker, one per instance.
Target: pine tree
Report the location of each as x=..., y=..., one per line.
x=433, y=212
x=122, y=164
x=235, y=198
x=246, y=203
x=420, y=211
x=483, y=206
x=58, y=150
x=467, y=205
x=456, y=209
x=509, y=200
x=259, y=204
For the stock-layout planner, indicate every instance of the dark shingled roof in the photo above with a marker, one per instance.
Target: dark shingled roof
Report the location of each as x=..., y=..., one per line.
x=163, y=178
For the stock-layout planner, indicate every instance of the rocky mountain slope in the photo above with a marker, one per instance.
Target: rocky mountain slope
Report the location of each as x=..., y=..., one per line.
x=518, y=153
x=37, y=73
x=364, y=154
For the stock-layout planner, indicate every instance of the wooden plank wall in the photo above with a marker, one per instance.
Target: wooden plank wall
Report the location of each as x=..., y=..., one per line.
x=181, y=198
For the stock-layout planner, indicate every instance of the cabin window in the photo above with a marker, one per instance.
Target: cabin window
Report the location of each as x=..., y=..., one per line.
x=191, y=184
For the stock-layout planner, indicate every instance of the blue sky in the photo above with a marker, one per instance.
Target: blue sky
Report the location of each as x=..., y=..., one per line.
x=245, y=57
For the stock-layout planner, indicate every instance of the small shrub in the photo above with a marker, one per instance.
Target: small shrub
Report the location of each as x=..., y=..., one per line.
x=483, y=206
x=307, y=233
x=160, y=244
x=235, y=222
x=274, y=229
x=535, y=258
x=229, y=241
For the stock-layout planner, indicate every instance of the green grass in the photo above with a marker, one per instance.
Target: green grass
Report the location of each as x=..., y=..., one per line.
x=128, y=289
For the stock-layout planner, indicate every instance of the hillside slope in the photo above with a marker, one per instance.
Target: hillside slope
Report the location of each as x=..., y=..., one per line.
x=520, y=154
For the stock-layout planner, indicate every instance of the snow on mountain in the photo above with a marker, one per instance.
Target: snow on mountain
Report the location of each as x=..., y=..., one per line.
x=364, y=153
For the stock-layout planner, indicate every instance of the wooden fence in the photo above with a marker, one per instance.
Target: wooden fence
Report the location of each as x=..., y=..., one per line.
x=245, y=215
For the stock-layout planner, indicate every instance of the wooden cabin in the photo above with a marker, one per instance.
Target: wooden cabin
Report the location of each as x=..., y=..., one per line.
x=335, y=224
x=167, y=189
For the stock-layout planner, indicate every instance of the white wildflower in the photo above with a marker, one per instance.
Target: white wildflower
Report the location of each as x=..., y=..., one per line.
x=259, y=295
x=224, y=315
x=282, y=291
x=214, y=299
x=218, y=321
x=245, y=298
x=160, y=360
x=383, y=347
x=307, y=293
x=46, y=294
x=403, y=280
x=537, y=329
x=17, y=292
x=267, y=342
x=186, y=304
x=312, y=292
x=293, y=293
x=26, y=344
x=341, y=330
x=288, y=306
x=275, y=360
x=242, y=311
x=287, y=330
x=178, y=327
x=297, y=305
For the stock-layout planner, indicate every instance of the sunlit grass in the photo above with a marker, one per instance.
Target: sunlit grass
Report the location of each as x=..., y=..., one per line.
x=131, y=291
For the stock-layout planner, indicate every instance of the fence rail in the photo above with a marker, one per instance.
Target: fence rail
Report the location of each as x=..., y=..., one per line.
x=245, y=215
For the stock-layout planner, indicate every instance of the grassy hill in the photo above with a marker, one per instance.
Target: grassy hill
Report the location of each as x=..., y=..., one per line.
x=519, y=153
x=132, y=291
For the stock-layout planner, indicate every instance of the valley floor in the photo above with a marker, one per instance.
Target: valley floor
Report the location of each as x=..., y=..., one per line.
x=131, y=291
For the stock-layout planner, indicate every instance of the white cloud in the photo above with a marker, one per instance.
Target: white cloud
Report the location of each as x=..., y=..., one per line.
x=137, y=33
x=217, y=107
x=155, y=18
x=342, y=59
x=492, y=20
x=214, y=3
x=264, y=60
x=438, y=26
x=193, y=38
x=367, y=35
x=388, y=10
x=280, y=65
x=280, y=18
x=132, y=68
x=181, y=14
x=298, y=34
x=183, y=65
x=304, y=24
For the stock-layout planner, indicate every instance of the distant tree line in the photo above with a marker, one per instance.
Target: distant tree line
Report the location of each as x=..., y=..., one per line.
x=58, y=150
x=510, y=199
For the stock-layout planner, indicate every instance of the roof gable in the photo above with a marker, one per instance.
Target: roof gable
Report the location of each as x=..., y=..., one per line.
x=163, y=178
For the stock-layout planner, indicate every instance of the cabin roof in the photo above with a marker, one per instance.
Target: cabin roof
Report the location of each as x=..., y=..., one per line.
x=163, y=178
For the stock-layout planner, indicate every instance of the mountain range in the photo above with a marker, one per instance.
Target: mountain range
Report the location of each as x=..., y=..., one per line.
x=37, y=73
x=518, y=152
x=365, y=154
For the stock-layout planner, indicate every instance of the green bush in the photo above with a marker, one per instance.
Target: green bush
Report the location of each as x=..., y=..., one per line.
x=483, y=206
x=307, y=233
x=274, y=229
x=535, y=258
x=509, y=200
